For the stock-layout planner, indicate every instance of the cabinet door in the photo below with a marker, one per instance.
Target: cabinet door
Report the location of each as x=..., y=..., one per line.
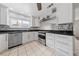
x=64, y=12
x=33, y=36
x=3, y=42
x=50, y=40
x=19, y=38
x=25, y=37
x=3, y=15
x=63, y=45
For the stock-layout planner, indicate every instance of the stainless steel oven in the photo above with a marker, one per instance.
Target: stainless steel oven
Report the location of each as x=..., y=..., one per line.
x=42, y=38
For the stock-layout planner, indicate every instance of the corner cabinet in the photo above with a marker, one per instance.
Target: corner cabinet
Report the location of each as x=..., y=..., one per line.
x=3, y=42
x=3, y=14
x=64, y=12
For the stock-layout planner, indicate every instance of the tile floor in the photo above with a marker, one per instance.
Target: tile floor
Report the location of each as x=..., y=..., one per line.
x=33, y=48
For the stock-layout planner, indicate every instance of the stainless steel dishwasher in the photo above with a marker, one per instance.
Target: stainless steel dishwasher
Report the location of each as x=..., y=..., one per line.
x=14, y=39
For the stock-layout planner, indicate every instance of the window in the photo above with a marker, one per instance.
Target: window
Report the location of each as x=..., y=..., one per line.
x=18, y=20
x=15, y=22
x=25, y=24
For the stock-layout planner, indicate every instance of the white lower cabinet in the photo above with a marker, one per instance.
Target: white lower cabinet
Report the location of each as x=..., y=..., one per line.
x=33, y=36
x=3, y=42
x=63, y=45
x=29, y=36
x=50, y=41
x=25, y=37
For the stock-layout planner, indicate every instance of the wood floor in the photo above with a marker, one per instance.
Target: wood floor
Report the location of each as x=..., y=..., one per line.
x=33, y=48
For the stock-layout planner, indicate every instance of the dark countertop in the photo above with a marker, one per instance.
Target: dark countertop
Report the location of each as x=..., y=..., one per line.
x=62, y=32
x=39, y=30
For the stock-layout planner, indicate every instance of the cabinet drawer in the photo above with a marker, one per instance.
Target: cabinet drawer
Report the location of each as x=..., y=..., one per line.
x=49, y=35
x=64, y=38
x=50, y=41
x=64, y=47
x=64, y=42
x=49, y=38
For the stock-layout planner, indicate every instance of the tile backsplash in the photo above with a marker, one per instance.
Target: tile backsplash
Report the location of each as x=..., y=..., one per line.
x=66, y=26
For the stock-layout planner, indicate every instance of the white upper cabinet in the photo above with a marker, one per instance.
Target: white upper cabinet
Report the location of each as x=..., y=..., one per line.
x=64, y=12
x=3, y=15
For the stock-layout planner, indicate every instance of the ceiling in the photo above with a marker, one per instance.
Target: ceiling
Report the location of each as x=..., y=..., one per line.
x=25, y=8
